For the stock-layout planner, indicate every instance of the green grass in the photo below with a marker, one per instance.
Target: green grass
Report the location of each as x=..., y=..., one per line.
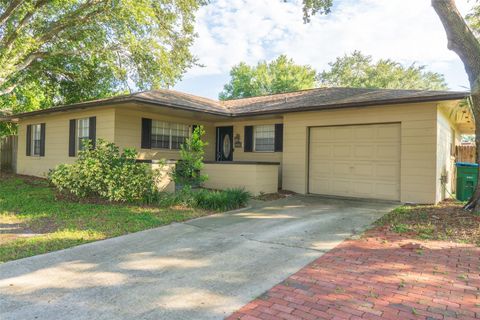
x=61, y=224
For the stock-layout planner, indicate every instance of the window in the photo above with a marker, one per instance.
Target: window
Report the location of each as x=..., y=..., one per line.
x=179, y=135
x=264, y=138
x=36, y=139
x=83, y=126
x=168, y=135
x=160, y=135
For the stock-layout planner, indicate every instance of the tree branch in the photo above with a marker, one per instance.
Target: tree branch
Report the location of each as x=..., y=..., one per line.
x=9, y=11
x=8, y=89
x=461, y=39
x=26, y=19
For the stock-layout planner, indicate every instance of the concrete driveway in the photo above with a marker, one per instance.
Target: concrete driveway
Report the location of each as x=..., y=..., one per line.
x=201, y=269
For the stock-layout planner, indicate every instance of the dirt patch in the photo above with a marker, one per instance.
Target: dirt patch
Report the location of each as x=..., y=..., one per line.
x=274, y=196
x=445, y=221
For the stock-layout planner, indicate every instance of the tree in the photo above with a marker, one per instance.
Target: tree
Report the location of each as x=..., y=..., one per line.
x=280, y=75
x=66, y=51
x=462, y=40
x=359, y=71
x=187, y=172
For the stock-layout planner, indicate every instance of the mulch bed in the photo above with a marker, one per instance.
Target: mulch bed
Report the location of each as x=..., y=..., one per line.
x=446, y=221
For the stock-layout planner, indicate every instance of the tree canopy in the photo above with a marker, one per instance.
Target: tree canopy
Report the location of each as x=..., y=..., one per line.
x=65, y=51
x=360, y=71
x=277, y=76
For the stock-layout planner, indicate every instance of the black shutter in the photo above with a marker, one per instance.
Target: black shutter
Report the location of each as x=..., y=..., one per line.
x=42, y=139
x=278, y=137
x=248, y=139
x=92, y=131
x=29, y=140
x=146, y=133
x=71, y=138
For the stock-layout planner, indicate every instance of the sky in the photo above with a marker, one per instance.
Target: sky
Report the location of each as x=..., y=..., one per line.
x=232, y=31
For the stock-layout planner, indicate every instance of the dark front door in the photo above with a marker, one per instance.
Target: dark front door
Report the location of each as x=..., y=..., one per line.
x=224, y=144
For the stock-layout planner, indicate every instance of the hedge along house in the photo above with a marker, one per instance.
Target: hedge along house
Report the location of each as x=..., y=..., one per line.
x=367, y=143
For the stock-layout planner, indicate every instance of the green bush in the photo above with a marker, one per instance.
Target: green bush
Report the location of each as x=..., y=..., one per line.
x=206, y=199
x=224, y=200
x=107, y=173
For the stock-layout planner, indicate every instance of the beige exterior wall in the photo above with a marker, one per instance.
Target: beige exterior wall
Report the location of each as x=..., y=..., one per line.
x=418, y=145
x=447, y=137
x=255, y=178
x=128, y=131
x=56, y=139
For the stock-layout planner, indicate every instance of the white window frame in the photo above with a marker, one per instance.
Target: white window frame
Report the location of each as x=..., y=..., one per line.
x=169, y=128
x=82, y=127
x=36, y=137
x=255, y=134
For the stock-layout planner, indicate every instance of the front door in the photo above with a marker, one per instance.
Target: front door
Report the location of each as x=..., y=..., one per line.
x=224, y=144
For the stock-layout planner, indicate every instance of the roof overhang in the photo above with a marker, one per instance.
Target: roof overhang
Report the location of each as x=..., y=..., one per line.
x=229, y=113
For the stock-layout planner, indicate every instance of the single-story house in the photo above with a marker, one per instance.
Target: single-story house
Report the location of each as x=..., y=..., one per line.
x=367, y=143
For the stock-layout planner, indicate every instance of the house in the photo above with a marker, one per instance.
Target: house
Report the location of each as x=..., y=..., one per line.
x=368, y=143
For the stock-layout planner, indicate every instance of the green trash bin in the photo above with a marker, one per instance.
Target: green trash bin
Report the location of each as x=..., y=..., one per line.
x=467, y=174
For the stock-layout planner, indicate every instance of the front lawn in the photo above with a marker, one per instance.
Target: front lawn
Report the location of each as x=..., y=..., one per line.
x=445, y=221
x=33, y=221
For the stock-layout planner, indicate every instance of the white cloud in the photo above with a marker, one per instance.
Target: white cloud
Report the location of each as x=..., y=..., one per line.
x=408, y=31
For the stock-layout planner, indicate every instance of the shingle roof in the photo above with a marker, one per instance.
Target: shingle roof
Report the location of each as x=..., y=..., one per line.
x=330, y=98
x=313, y=99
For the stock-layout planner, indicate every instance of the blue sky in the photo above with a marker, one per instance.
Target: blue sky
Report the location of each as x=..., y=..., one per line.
x=231, y=31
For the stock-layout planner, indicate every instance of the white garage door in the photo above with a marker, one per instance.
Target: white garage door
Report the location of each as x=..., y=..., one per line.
x=355, y=161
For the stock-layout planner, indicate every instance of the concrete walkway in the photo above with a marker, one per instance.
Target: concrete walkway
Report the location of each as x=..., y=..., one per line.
x=202, y=269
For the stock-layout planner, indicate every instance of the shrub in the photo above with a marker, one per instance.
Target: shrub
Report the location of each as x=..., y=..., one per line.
x=229, y=199
x=107, y=173
x=206, y=199
x=187, y=171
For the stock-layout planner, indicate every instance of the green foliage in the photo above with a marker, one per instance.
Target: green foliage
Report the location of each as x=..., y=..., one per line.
x=187, y=170
x=60, y=224
x=107, y=173
x=280, y=75
x=65, y=51
x=223, y=200
x=360, y=71
x=313, y=7
x=215, y=200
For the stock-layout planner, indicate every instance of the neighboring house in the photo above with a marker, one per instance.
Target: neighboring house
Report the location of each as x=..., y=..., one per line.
x=367, y=143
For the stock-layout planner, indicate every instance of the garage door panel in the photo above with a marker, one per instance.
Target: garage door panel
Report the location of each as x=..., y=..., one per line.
x=356, y=161
x=391, y=152
x=362, y=189
x=364, y=151
x=341, y=151
x=388, y=132
x=341, y=133
x=325, y=151
x=340, y=187
x=360, y=170
x=364, y=133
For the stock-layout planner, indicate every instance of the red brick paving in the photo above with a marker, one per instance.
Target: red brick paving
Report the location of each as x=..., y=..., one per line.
x=381, y=276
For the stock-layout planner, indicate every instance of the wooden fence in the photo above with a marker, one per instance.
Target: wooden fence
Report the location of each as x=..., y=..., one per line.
x=8, y=153
x=465, y=154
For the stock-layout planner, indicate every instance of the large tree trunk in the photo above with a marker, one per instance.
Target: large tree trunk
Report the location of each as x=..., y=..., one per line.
x=464, y=43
